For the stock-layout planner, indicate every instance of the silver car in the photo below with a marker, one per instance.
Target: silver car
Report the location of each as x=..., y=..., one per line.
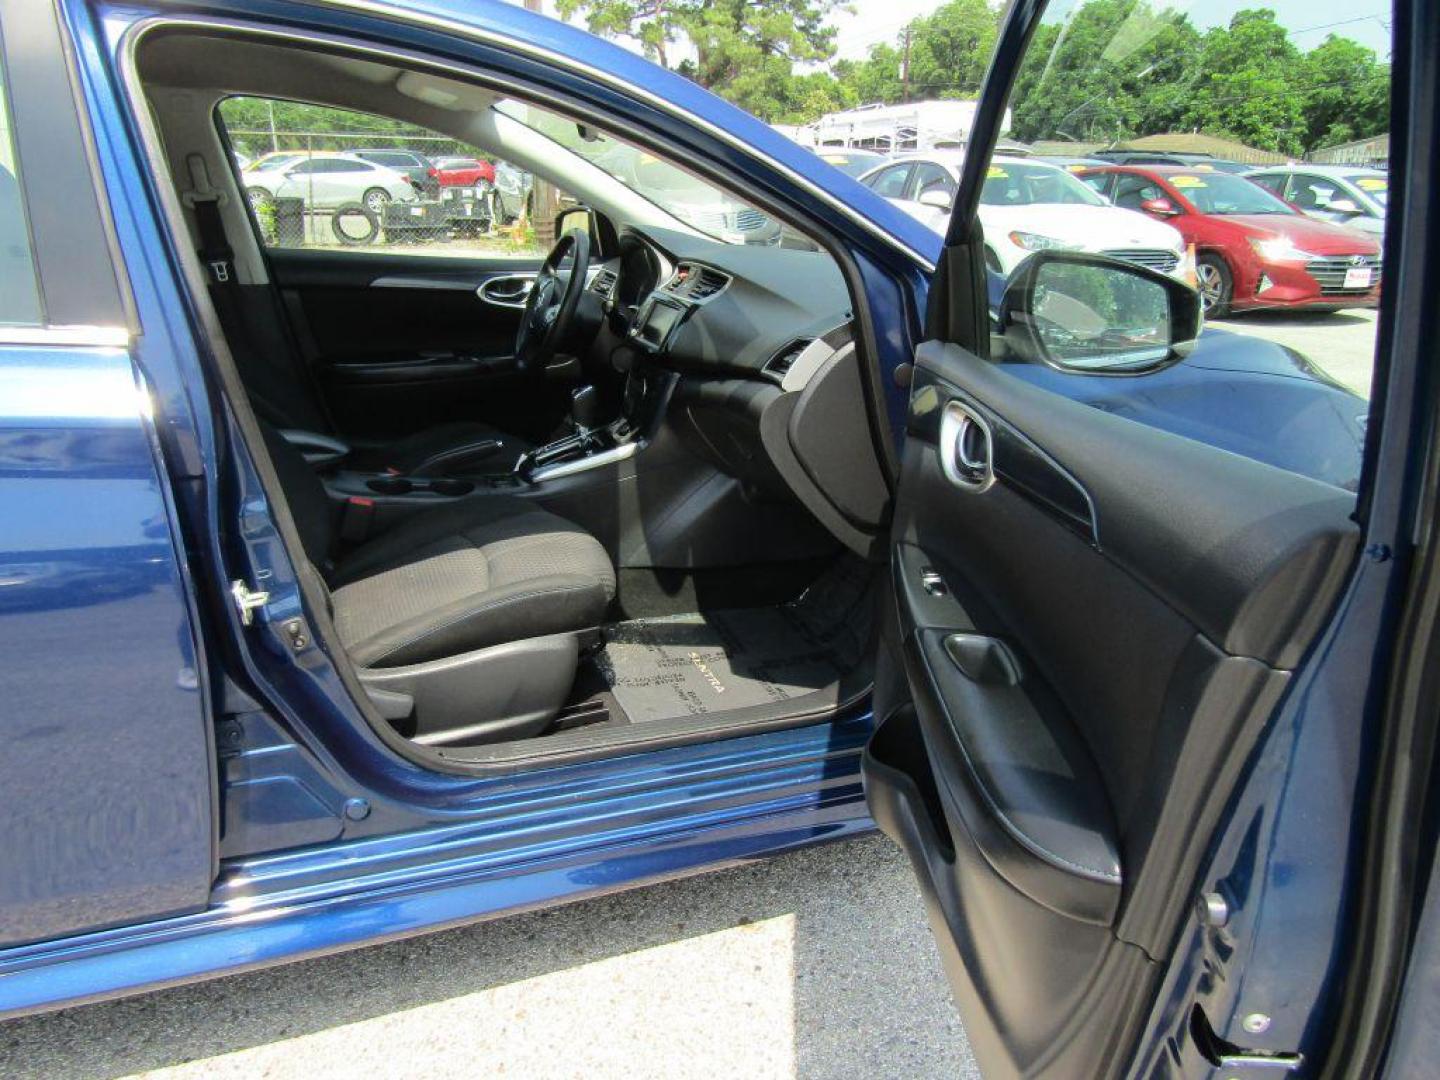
x=1343, y=194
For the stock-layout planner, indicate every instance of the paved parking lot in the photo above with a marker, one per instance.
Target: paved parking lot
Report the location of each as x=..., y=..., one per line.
x=1340, y=342
x=817, y=964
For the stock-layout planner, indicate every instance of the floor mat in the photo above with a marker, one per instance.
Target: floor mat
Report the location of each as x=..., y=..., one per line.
x=703, y=662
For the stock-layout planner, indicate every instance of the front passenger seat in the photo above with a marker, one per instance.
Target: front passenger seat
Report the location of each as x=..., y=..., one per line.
x=465, y=622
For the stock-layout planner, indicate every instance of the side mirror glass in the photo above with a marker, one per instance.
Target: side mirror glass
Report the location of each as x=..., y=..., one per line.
x=937, y=197
x=1160, y=207
x=1092, y=315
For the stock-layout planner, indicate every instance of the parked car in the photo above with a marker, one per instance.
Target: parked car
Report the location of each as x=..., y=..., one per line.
x=350, y=595
x=275, y=159
x=1069, y=164
x=1340, y=194
x=1028, y=206
x=1251, y=249
x=850, y=162
x=463, y=172
x=1199, y=162
x=328, y=181
x=416, y=167
x=512, y=191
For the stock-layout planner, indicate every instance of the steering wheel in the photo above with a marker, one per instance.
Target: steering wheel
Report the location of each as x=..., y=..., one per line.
x=550, y=307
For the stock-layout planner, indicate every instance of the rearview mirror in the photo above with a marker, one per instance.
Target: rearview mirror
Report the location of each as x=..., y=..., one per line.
x=1160, y=207
x=1089, y=314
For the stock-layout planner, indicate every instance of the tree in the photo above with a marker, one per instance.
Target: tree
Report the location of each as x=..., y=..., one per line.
x=1249, y=86
x=950, y=49
x=1347, y=94
x=745, y=50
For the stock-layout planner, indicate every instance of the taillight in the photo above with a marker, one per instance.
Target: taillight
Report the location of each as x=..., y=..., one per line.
x=432, y=172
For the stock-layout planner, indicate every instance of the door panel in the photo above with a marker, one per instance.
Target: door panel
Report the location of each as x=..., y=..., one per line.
x=403, y=342
x=1089, y=644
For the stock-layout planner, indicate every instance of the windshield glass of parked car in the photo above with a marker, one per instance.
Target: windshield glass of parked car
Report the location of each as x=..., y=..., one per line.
x=1011, y=184
x=1375, y=187
x=1221, y=193
x=715, y=213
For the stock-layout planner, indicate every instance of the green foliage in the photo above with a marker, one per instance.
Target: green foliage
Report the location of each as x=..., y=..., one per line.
x=1115, y=69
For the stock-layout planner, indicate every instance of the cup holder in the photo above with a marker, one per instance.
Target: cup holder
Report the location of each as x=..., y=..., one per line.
x=390, y=485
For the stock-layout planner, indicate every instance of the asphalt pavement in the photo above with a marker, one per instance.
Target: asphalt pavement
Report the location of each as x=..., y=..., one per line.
x=1342, y=343
x=815, y=964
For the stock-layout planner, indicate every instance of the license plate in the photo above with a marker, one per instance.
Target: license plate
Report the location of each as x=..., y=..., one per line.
x=1358, y=278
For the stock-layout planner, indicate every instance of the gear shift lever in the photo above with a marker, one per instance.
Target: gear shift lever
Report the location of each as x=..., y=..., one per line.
x=585, y=408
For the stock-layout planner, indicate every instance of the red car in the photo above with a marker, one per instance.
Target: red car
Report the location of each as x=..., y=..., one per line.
x=1251, y=249
x=464, y=172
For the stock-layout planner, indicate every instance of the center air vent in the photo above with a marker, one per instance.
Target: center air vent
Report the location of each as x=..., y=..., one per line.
x=779, y=364
x=695, y=282
x=604, y=282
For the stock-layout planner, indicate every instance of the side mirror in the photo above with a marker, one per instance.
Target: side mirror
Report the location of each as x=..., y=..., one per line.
x=1093, y=315
x=1160, y=208
x=937, y=197
x=1342, y=206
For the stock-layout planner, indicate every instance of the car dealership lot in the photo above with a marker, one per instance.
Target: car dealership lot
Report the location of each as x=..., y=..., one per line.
x=1342, y=343
x=816, y=964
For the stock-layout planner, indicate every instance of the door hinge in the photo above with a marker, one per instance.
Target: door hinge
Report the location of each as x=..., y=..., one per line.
x=247, y=600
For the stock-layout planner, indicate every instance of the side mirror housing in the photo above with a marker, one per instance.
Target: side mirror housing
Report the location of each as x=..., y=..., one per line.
x=1160, y=208
x=937, y=197
x=1092, y=315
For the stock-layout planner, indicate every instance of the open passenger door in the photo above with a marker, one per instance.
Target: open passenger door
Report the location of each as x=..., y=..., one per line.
x=1093, y=621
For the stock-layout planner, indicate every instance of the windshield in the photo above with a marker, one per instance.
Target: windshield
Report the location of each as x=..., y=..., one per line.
x=1374, y=187
x=710, y=210
x=1010, y=184
x=1221, y=193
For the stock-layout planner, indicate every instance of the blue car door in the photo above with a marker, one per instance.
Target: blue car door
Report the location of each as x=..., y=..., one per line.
x=1107, y=638
x=107, y=779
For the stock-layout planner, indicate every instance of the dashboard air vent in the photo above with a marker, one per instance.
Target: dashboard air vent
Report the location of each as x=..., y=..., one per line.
x=779, y=364
x=696, y=282
x=706, y=283
x=604, y=282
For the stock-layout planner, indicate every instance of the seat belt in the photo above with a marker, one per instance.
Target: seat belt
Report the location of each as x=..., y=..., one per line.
x=218, y=258
x=215, y=250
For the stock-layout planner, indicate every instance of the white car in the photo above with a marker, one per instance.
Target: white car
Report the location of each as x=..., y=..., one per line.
x=327, y=181
x=1342, y=194
x=1028, y=206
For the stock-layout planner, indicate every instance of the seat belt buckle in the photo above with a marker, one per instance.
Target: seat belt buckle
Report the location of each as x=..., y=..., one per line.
x=356, y=519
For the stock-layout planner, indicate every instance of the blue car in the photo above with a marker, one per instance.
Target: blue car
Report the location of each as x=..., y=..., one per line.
x=351, y=590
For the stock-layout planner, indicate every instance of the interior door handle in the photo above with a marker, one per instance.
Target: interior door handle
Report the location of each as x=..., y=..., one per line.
x=509, y=291
x=967, y=448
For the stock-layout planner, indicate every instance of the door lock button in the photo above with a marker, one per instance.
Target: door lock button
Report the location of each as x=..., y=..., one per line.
x=932, y=581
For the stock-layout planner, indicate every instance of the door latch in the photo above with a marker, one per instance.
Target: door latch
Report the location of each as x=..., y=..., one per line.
x=247, y=600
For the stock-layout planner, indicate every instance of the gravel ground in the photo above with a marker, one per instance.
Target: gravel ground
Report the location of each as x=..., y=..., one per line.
x=815, y=964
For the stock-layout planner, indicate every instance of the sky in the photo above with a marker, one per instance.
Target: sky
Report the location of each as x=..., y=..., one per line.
x=1366, y=21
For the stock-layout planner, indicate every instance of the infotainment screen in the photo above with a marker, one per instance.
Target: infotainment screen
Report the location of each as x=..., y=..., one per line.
x=660, y=319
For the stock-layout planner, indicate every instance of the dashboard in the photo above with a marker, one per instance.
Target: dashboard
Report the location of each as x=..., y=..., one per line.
x=702, y=307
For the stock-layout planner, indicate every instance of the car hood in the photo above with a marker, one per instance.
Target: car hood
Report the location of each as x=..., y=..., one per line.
x=1093, y=227
x=1306, y=233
